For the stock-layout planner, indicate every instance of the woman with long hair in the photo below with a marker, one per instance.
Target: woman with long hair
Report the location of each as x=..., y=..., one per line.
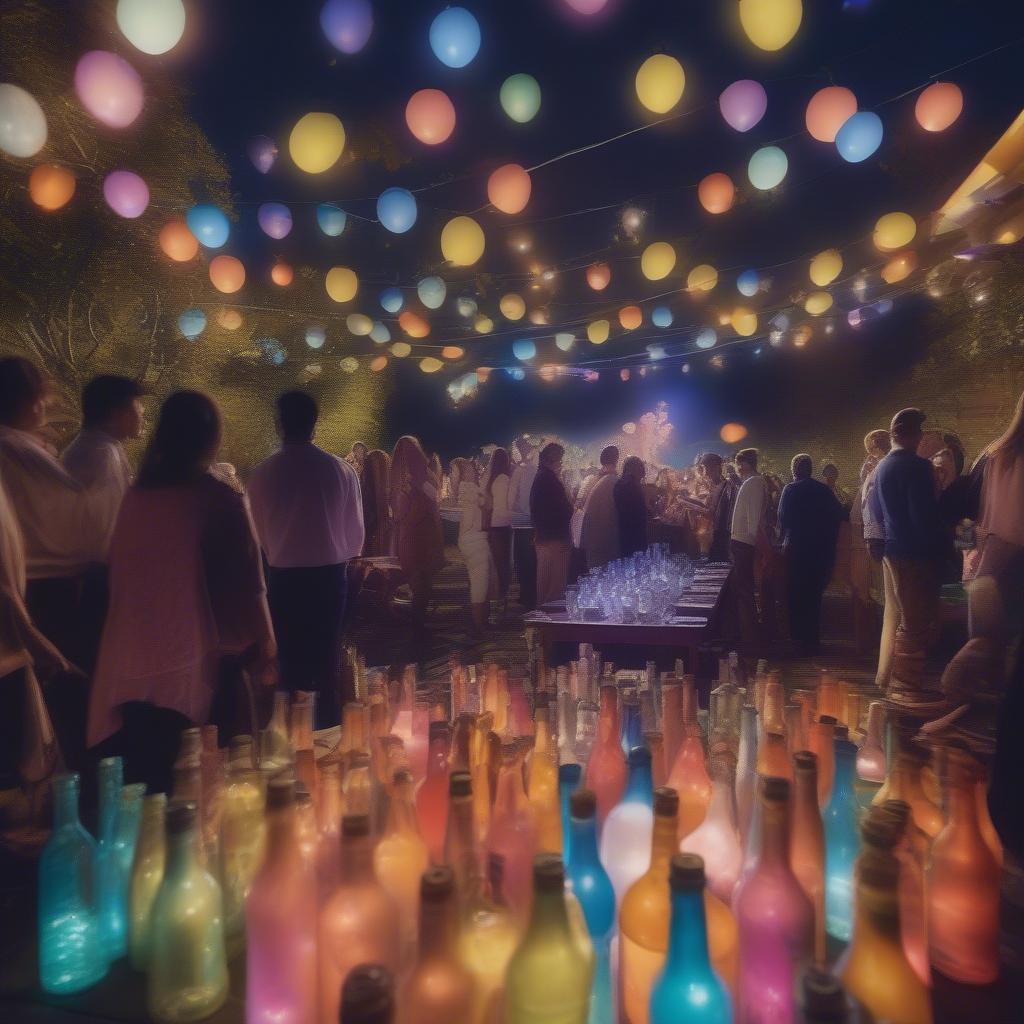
x=374, y=482
x=499, y=532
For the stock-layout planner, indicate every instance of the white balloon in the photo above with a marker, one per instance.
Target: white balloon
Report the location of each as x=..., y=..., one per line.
x=152, y=26
x=22, y=122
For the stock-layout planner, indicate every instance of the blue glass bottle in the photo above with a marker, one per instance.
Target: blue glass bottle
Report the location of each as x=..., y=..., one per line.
x=593, y=888
x=842, y=839
x=111, y=907
x=569, y=776
x=70, y=957
x=688, y=988
x=632, y=725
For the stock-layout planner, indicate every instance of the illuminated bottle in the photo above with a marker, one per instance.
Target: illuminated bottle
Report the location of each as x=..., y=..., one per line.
x=671, y=717
x=358, y=924
x=842, y=840
x=329, y=811
x=775, y=918
x=460, y=850
x=109, y=909
x=626, y=836
x=71, y=957
x=688, y=988
x=368, y=995
x=871, y=756
x=632, y=729
x=823, y=745
x=828, y=695
x=440, y=990
x=241, y=842
x=606, y=769
x=543, y=785
x=807, y=842
x=569, y=776
x=280, y=917
x=746, y=769
x=513, y=833
x=655, y=743
x=147, y=874
x=187, y=974
x=300, y=736
x=276, y=751
x=480, y=770
x=823, y=1000
x=717, y=840
x=432, y=796
x=115, y=869
x=688, y=775
x=549, y=975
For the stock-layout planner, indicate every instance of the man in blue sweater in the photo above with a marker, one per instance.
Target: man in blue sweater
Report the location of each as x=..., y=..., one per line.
x=904, y=499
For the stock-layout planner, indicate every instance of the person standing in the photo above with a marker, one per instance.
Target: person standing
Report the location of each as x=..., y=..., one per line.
x=524, y=557
x=473, y=542
x=631, y=507
x=719, y=506
x=499, y=532
x=747, y=534
x=551, y=515
x=599, y=535
x=374, y=485
x=308, y=512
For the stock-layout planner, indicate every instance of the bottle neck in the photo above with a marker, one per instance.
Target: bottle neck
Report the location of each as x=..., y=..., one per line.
x=437, y=759
x=664, y=843
x=549, y=912
x=639, y=788
x=688, y=937
x=460, y=844
x=437, y=930
x=774, y=835
x=151, y=832
x=877, y=913
x=583, y=841
x=608, y=720
x=65, y=806
x=401, y=812
x=845, y=755
x=510, y=793
x=356, y=859
x=281, y=833
x=181, y=853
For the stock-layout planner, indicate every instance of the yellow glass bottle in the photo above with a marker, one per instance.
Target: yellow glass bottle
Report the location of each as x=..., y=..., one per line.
x=147, y=874
x=242, y=837
x=543, y=785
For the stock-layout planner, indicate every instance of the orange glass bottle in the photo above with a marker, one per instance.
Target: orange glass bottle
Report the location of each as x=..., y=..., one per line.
x=807, y=842
x=432, y=796
x=688, y=775
x=461, y=853
x=823, y=746
x=904, y=783
x=606, y=770
x=543, y=784
x=513, y=832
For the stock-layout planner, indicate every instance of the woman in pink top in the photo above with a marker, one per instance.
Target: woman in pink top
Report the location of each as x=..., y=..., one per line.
x=186, y=591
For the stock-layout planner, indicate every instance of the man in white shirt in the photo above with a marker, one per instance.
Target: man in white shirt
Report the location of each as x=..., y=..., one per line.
x=747, y=523
x=524, y=557
x=308, y=512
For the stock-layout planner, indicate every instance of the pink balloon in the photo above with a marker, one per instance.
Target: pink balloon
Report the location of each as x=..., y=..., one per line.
x=743, y=104
x=109, y=88
x=126, y=193
x=430, y=116
x=587, y=7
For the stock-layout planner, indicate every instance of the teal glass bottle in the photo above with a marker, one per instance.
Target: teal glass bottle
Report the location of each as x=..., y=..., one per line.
x=569, y=776
x=593, y=888
x=111, y=907
x=842, y=840
x=632, y=725
x=688, y=989
x=70, y=957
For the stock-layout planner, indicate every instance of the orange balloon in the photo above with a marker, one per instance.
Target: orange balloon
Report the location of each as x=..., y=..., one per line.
x=413, y=324
x=50, y=186
x=939, y=106
x=482, y=373
x=177, y=242
x=716, y=192
x=227, y=274
x=549, y=371
x=599, y=276
x=630, y=317
x=430, y=116
x=508, y=188
x=733, y=433
x=229, y=319
x=452, y=352
x=282, y=274
x=378, y=363
x=830, y=108
x=899, y=267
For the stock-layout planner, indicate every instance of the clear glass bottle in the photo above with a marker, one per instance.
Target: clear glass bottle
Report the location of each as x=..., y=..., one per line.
x=807, y=842
x=368, y=995
x=243, y=832
x=71, y=957
x=626, y=836
x=432, y=795
x=606, y=769
x=147, y=874
x=513, y=832
x=688, y=988
x=543, y=783
x=842, y=839
x=187, y=975
x=110, y=909
x=746, y=770
x=276, y=752
x=904, y=782
x=587, y=719
x=717, y=840
x=654, y=741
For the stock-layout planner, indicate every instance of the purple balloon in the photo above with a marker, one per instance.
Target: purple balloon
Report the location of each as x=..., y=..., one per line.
x=126, y=193
x=262, y=153
x=743, y=104
x=275, y=219
x=347, y=24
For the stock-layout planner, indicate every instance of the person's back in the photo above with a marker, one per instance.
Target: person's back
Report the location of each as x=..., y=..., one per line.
x=904, y=490
x=809, y=515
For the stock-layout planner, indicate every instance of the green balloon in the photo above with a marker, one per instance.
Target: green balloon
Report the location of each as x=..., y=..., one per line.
x=520, y=97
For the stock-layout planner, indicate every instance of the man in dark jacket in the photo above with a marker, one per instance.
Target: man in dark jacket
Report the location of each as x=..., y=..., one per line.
x=551, y=514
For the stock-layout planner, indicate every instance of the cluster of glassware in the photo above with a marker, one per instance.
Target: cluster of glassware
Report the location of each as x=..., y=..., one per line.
x=641, y=588
x=593, y=849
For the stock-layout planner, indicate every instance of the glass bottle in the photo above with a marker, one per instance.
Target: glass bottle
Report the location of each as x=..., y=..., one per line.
x=632, y=725
x=358, y=924
x=569, y=776
x=242, y=838
x=823, y=1000
x=871, y=756
x=626, y=836
x=746, y=769
x=187, y=975
x=842, y=840
x=275, y=751
x=440, y=990
x=368, y=995
x=110, y=909
x=689, y=778
x=543, y=784
x=432, y=795
x=116, y=869
x=329, y=810
x=71, y=957
x=513, y=833
x=775, y=918
x=606, y=769
x=280, y=919
x=823, y=745
x=717, y=840
x=807, y=842
x=460, y=849
x=688, y=988
x=671, y=716
x=300, y=737
x=480, y=770
x=549, y=975
x=655, y=743
x=904, y=783
x=587, y=722
x=147, y=874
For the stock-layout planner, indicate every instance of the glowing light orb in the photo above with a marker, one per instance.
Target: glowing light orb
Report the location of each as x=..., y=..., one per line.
x=192, y=323
x=316, y=142
x=462, y=240
x=662, y=316
x=430, y=364
x=391, y=299
x=894, y=231
x=565, y=340
x=126, y=194
x=401, y=349
x=274, y=219
x=743, y=104
x=316, y=337
x=716, y=192
x=341, y=284
x=660, y=83
x=349, y=364
x=282, y=274
x=432, y=292
x=818, y=303
x=939, y=106
x=826, y=267
x=587, y=8
x=767, y=168
x=455, y=37
x=703, y=278
x=380, y=334
x=331, y=219
x=748, y=283
x=771, y=24
x=520, y=97
x=359, y=324
x=631, y=317
x=378, y=363
x=23, y=130
x=262, y=152
x=413, y=324
x=828, y=110
x=899, y=268
x=229, y=319
x=397, y=210
x=483, y=325
x=209, y=225
x=599, y=276
x=656, y=352
x=524, y=349
x=658, y=261
x=744, y=321
x=51, y=187
x=732, y=433
x=452, y=352
x=109, y=88
x=227, y=274
x=512, y=306
x=598, y=331
x=706, y=338
x=508, y=188
x=347, y=24
x=860, y=136
x=152, y=26
x=430, y=116
x=465, y=306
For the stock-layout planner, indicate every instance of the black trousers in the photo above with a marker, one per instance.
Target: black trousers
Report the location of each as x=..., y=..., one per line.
x=807, y=580
x=307, y=606
x=525, y=559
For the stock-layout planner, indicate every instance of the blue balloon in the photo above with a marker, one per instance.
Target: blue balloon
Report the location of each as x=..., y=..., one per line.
x=455, y=37
x=396, y=210
x=662, y=316
x=347, y=24
x=315, y=337
x=331, y=219
x=209, y=224
x=767, y=168
x=379, y=333
x=524, y=349
x=431, y=291
x=859, y=136
x=392, y=300
x=706, y=337
x=192, y=323
x=748, y=283
x=519, y=375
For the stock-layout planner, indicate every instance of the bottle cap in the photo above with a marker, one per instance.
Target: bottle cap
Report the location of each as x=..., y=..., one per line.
x=355, y=825
x=805, y=761
x=181, y=817
x=879, y=829
x=583, y=803
x=639, y=757
x=460, y=784
x=280, y=793
x=666, y=802
x=368, y=995
x=842, y=732
x=437, y=883
x=570, y=773
x=687, y=871
x=775, y=789
x=823, y=996
x=548, y=872
x=827, y=720
x=303, y=797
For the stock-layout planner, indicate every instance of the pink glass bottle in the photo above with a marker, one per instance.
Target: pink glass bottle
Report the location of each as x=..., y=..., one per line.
x=746, y=770
x=717, y=839
x=432, y=796
x=807, y=842
x=606, y=770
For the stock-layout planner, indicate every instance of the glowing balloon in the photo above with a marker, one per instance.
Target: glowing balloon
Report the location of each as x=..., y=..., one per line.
x=342, y=284
x=565, y=341
x=508, y=188
x=262, y=152
x=413, y=324
x=396, y=210
x=743, y=104
x=455, y=37
x=658, y=261
x=209, y=225
x=538, y=317
x=192, y=323
x=430, y=116
x=818, y=303
x=462, y=240
x=227, y=274
x=826, y=267
x=431, y=291
x=430, y=364
x=452, y=352
x=51, y=187
x=378, y=363
x=656, y=352
x=349, y=364
x=524, y=349
x=482, y=373
x=347, y=24
x=894, y=231
x=152, y=26
x=899, y=268
x=465, y=306
x=126, y=193
x=770, y=24
x=716, y=192
x=660, y=83
x=631, y=317
x=860, y=136
x=599, y=276
x=380, y=334
x=624, y=375
x=483, y=325
x=177, y=242
x=512, y=306
x=275, y=219
x=359, y=324
x=587, y=7
x=703, y=278
x=282, y=274
x=939, y=106
x=767, y=168
x=22, y=122
x=597, y=332
x=316, y=142
x=229, y=319
x=744, y=321
x=706, y=338
x=829, y=109
x=662, y=316
x=315, y=337
x=733, y=433
x=331, y=219
x=391, y=299
x=520, y=97
x=748, y=283
x=109, y=88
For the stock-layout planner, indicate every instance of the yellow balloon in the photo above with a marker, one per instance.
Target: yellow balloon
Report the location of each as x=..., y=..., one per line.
x=893, y=231
x=657, y=261
x=597, y=331
x=401, y=349
x=359, y=324
x=770, y=24
x=744, y=321
x=818, y=303
x=660, y=83
x=430, y=364
x=512, y=306
x=342, y=284
x=316, y=142
x=483, y=325
x=826, y=267
x=702, y=278
x=462, y=241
